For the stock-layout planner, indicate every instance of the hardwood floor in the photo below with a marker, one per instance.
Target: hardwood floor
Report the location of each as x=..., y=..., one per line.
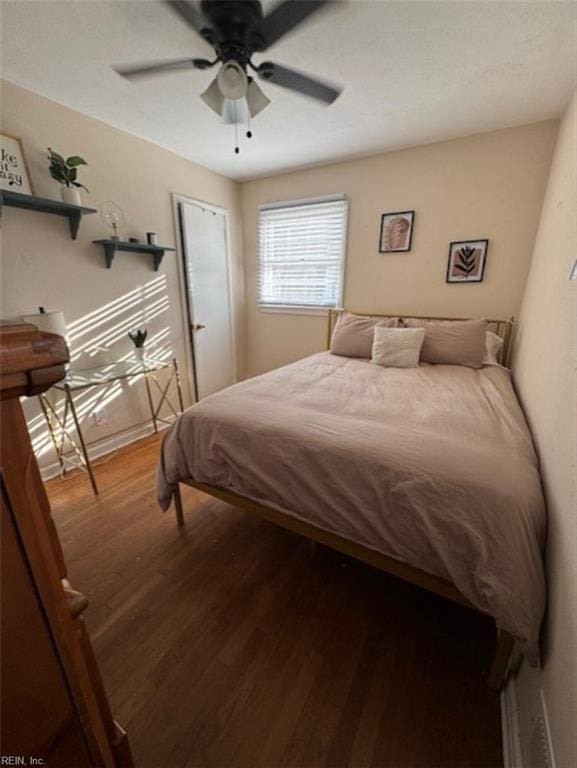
x=234, y=643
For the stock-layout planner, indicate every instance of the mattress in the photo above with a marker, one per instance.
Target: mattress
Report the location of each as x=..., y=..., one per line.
x=433, y=466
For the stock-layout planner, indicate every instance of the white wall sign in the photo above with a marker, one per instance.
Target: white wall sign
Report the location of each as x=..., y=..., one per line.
x=13, y=170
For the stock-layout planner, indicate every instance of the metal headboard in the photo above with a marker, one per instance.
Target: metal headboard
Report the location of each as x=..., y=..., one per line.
x=503, y=328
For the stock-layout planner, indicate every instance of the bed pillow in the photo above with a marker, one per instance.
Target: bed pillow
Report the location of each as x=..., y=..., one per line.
x=353, y=334
x=493, y=347
x=397, y=347
x=452, y=342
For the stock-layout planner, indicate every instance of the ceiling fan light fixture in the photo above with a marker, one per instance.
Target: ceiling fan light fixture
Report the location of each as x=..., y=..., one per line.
x=256, y=99
x=235, y=112
x=213, y=97
x=232, y=81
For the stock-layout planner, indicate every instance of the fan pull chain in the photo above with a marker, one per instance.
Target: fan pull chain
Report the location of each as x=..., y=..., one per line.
x=248, y=126
x=236, y=149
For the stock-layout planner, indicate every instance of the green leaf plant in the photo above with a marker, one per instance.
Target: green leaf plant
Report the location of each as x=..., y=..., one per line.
x=65, y=172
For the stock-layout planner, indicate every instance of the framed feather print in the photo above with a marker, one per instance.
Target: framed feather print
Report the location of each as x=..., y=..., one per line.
x=467, y=261
x=396, y=232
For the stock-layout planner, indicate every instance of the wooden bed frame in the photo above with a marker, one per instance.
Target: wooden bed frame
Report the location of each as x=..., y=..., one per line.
x=497, y=672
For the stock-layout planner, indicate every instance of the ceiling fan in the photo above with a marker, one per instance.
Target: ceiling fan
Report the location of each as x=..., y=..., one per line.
x=237, y=29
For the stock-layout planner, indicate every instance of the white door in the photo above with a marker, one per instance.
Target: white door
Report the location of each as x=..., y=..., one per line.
x=205, y=251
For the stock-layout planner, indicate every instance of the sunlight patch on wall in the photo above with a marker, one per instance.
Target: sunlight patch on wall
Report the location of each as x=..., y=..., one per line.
x=100, y=338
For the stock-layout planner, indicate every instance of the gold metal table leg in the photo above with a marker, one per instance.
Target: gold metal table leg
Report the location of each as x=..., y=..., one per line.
x=81, y=439
x=48, y=418
x=178, y=389
x=150, y=403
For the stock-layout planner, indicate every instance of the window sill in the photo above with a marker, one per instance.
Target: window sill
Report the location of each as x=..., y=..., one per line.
x=288, y=310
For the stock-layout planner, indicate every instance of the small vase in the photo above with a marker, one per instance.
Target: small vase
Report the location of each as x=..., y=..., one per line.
x=71, y=195
x=139, y=353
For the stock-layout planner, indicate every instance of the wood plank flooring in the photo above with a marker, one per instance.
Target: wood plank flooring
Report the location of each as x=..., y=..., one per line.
x=231, y=643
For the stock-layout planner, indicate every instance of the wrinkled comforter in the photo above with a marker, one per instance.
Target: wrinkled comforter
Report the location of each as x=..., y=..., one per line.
x=434, y=466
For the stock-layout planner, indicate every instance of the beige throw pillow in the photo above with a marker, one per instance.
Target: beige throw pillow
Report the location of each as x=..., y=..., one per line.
x=397, y=347
x=353, y=334
x=452, y=342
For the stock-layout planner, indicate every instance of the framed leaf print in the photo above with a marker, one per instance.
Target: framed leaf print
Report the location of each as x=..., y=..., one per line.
x=396, y=232
x=467, y=261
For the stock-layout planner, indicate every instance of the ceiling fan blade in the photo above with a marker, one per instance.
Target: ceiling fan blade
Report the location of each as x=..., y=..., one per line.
x=298, y=81
x=146, y=69
x=189, y=13
x=286, y=16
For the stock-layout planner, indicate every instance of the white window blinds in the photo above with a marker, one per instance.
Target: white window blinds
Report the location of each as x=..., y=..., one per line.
x=302, y=251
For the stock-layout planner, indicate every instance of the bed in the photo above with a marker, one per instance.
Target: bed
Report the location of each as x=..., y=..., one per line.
x=427, y=473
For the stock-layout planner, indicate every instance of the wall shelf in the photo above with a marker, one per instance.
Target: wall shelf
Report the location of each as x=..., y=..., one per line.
x=112, y=247
x=73, y=213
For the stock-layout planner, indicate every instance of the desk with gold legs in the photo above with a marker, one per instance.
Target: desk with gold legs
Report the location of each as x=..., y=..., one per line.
x=61, y=426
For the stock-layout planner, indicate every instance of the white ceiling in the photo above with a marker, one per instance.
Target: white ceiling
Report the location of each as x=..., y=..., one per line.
x=414, y=72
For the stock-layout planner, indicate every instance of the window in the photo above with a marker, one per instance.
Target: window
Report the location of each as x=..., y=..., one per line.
x=302, y=253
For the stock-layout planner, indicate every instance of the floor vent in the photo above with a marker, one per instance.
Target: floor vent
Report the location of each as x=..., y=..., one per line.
x=540, y=746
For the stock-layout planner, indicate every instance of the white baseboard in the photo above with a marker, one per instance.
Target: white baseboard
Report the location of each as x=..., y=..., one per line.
x=108, y=445
x=510, y=727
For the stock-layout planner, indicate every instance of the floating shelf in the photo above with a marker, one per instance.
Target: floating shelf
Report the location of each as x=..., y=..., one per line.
x=73, y=213
x=111, y=248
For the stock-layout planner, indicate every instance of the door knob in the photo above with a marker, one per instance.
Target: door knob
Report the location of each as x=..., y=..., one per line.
x=199, y=326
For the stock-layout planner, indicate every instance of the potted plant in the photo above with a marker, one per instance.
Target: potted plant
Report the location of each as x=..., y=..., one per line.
x=65, y=172
x=138, y=339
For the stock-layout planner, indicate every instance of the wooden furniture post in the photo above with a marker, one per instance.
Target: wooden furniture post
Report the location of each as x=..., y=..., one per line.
x=178, y=505
x=54, y=709
x=497, y=674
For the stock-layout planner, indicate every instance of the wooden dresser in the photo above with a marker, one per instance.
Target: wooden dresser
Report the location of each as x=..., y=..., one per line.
x=54, y=707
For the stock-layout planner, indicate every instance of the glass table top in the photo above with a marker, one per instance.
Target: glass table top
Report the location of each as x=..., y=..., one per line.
x=103, y=374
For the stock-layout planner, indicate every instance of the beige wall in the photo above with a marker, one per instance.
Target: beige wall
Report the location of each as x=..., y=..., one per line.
x=41, y=265
x=488, y=185
x=544, y=367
